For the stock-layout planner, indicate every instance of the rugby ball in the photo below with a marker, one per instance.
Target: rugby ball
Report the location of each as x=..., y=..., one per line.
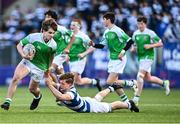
x=29, y=49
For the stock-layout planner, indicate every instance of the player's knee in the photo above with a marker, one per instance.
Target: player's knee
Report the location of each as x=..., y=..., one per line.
x=148, y=78
x=16, y=79
x=109, y=82
x=32, y=90
x=140, y=77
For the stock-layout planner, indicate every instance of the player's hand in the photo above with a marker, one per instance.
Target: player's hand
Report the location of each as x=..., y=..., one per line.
x=66, y=51
x=81, y=55
x=48, y=81
x=28, y=57
x=147, y=46
x=120, y=56
x=91, y=43
x=67, y=58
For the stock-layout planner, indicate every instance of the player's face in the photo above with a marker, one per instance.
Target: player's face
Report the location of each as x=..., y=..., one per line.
x=74, y=25
x=64, y=86
x=47, y=35
x=106, y=22
x=141, y=26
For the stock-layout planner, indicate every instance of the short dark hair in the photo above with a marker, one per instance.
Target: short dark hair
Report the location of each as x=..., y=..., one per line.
x=109, y=15
x=49, y=23
x=68, y=77
x=142, y=19
x=51, y=13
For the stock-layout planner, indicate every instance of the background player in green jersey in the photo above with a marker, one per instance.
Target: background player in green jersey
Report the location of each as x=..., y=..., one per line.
x=78, y=52
x=63, y=46
x=45, y=48
x=146, y=40
x=118, y=43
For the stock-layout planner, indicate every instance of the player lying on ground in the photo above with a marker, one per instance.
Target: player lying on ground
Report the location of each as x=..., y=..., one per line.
x=69, y=96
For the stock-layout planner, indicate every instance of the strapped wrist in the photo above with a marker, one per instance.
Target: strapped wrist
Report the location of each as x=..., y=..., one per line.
x=123, y=51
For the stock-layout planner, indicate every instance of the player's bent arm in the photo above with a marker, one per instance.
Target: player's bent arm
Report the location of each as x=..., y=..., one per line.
x=123, y=51
x=55, y=92
x=158, y=44
x=58, y=94
x=153, y=45
x=88, y=51
x=20, y=50
x=69, y=44
x=128, y=44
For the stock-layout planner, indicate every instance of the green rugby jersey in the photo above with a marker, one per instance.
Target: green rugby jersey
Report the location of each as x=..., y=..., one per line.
x=115, y=38
x=61, y=36
x=44, y=51
x=81, y=44
x=146, y=37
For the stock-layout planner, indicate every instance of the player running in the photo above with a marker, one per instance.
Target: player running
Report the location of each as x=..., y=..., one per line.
x=146, y=40
x=118, y=43
x=78, y=52
x=36, y=67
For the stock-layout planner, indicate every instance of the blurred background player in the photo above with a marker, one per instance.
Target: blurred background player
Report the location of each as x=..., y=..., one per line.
x=45, y=48
x=118, y=43
x=146, y=40
x=77, y=56
x=68, y=95
x=63, y=46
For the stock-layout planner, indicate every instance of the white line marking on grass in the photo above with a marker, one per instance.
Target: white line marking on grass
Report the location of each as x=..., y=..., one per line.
x=170, y=105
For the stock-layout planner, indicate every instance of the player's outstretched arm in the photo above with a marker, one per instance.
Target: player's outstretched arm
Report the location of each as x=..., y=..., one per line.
x=88, y=51
x=56, y=92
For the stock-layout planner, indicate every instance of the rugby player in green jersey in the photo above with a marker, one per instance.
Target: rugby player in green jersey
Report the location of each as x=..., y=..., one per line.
x=77, y=56
x=118, y=43
x=63, y=46
x=36, y=67
x=146, y=40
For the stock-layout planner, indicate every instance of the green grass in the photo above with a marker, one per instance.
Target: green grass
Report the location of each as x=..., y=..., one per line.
x=155, y=107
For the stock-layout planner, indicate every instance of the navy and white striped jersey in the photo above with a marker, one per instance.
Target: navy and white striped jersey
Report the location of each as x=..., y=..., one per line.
x=77, y=103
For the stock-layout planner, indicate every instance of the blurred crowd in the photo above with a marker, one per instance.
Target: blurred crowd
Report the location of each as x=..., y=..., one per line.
x=163, y=17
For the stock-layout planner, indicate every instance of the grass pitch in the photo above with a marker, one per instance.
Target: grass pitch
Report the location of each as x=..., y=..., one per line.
x=155, y=107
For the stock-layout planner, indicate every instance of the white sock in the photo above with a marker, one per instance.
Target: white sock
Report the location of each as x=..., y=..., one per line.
x=37, y=97
x=129, y=83
x=136, y=99
x=129, y=104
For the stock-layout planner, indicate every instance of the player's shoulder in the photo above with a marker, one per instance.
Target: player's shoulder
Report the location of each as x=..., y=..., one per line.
x=82, y=34
x=60, y=28
x=137, y=31
x=149, y=30
x=53, y=43
x=35, y=36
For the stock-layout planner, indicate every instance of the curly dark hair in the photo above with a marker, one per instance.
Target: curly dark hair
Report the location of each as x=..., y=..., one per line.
x=69, y=77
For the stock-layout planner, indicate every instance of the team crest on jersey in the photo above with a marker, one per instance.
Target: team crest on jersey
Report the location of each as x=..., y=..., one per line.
x=145, y=38
x=137, y=38
x=38, y=47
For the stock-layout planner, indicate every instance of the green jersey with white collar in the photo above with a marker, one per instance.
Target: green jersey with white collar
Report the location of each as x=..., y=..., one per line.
x=61, y=36
x=146, y=37
x=115, y=38
x=44, y=51
x=81, y=44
